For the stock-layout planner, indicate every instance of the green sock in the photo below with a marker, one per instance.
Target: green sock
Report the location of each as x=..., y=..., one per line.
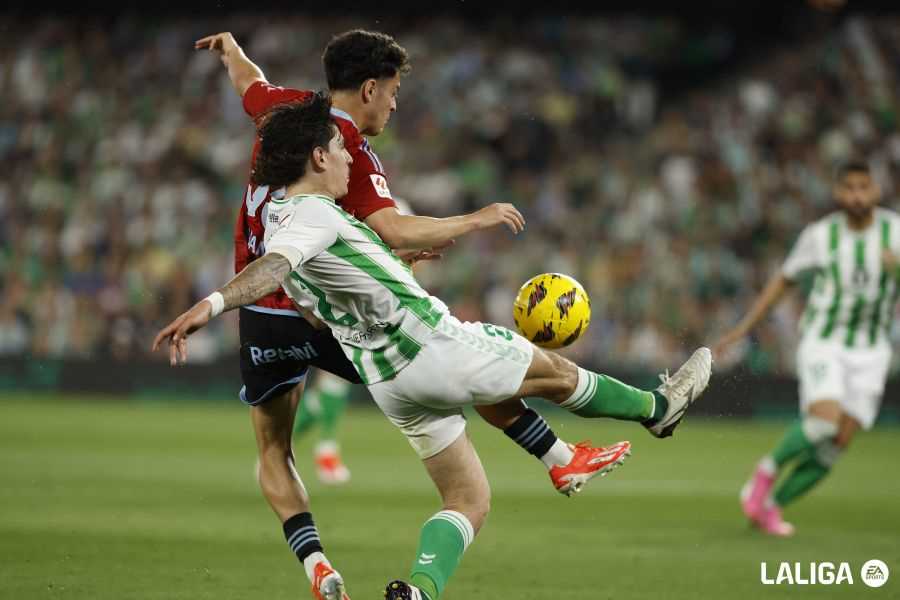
x=331, y=406
x=308, y=412
x=444, y=538
x=802, y=479
x=603, y=396
x=793, y=444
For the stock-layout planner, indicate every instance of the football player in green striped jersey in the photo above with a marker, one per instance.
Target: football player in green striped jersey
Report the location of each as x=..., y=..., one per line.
x=421, y=364
x=844, y=352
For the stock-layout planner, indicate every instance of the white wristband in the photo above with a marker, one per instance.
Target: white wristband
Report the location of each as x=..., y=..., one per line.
x=218, y=303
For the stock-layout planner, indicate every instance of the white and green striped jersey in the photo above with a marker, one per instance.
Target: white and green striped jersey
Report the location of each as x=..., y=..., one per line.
x=346, y=275
x=853, y=297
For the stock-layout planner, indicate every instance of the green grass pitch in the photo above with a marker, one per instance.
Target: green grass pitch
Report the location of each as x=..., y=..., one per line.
x=144, y=500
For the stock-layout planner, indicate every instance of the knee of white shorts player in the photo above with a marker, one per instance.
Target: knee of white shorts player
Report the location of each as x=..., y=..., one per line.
x=818, y=430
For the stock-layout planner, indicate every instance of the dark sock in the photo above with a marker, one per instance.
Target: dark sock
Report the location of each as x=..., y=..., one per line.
x=660, y=406
x=531, y=432
x=301, y=535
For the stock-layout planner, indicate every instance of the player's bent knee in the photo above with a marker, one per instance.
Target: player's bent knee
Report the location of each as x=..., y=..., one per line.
x=849, y=426
x=816, y=429
x=568, y=374
x=843, y=440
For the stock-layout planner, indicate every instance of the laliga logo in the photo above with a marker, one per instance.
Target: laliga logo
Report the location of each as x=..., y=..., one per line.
x=874, y=573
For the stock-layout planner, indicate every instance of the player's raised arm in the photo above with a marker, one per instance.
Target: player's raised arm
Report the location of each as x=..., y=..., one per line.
x=260, y=278
x=414, y=232
x=768, y=298
x=241, y=70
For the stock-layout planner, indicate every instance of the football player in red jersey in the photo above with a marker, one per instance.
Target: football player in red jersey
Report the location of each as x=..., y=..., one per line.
x=363, y=70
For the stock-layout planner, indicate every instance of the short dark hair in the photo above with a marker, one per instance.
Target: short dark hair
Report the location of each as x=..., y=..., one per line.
x=288, y=136
x=853, y=166
x=352, y=57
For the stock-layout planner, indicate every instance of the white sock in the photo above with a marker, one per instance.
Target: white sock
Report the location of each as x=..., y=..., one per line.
x=327, y=447
x=767, y=464
x=310, y=562
x=559, y=454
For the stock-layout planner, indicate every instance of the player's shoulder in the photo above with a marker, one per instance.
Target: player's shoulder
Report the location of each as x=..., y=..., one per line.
x=823, y=224
x=263, y=86
x=892, y=216
x=261, y=97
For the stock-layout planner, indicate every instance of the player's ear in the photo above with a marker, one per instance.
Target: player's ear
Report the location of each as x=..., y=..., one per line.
x=368, y=89
x=318, y=158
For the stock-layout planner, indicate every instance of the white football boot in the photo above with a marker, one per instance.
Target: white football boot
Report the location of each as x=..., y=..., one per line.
x=681, y=389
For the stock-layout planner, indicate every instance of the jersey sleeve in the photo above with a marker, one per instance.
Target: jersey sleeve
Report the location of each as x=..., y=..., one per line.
x=804, y=255
x=303, y=232
x=261, y=96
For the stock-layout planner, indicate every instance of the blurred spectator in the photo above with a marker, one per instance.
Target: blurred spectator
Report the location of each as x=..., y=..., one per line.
x=126, y=153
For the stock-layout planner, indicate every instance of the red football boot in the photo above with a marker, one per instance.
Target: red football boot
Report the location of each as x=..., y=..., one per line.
x=328, y=584
x=587, y=463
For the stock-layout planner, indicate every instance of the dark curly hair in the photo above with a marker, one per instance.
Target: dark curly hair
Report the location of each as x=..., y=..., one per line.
x=288, y=136
x=854, y=165
x=352, y=57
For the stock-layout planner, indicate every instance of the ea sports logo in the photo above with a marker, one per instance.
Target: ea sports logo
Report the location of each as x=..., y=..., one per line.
x=874, y=573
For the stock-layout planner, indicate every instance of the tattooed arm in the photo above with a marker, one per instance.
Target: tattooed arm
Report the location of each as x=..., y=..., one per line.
x=258, y=279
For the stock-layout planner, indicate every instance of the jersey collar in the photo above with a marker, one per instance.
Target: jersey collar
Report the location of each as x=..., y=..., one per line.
x=328, y=199
x=336, y=112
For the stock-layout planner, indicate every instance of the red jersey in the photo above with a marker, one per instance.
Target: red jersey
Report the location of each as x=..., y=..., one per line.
x=368, y=190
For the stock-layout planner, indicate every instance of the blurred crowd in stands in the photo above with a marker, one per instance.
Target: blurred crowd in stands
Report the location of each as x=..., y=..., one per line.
x=125, y=157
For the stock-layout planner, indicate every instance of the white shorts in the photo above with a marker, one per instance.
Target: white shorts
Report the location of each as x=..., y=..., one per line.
x=461, y=364
x=855, y=377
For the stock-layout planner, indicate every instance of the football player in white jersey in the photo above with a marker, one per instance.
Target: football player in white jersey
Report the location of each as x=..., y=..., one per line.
x=420, y=363
x=844, y=351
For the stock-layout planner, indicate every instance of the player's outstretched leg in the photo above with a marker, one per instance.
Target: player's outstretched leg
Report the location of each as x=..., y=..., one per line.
x=593, y=395
x=588, y=462
x=570, y=466
x=659, y=410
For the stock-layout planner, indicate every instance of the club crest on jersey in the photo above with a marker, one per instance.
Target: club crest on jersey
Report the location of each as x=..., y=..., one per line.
x=380, y=184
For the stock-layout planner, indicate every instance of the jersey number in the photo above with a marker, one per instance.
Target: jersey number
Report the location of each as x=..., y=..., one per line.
x=494, y=331
x=255, y=198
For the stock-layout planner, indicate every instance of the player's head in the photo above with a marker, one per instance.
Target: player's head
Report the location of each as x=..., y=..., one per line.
x=301, y=142
x=368, y=65
x=855, y=189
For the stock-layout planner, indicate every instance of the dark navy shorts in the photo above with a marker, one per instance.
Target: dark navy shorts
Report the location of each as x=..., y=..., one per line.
x=277, y=351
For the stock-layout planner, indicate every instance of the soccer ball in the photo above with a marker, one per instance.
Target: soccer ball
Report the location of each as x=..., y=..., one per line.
x=552, y=310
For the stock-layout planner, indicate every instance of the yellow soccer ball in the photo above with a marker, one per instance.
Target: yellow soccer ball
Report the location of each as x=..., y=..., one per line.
x=552, y=310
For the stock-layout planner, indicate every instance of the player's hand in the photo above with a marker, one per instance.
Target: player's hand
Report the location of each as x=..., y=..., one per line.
x=220, y=42
x=411, y=257
x=178, y=331
x=501, y=213
x=310, y=317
